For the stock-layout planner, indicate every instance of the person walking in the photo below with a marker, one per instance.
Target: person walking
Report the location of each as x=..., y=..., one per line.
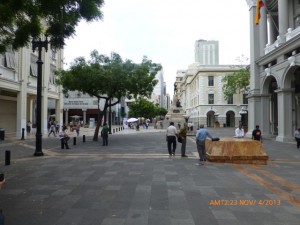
x=64, y=138
x=297, y=137
x=104, y=134
x=57, y=127
x=182, y=133
x=256, y=134
x=78, y=128
x=201, y=136
x=52, y=130
x=171, y=138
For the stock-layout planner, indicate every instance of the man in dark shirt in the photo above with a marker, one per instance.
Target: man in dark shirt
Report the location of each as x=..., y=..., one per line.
x=256, y=134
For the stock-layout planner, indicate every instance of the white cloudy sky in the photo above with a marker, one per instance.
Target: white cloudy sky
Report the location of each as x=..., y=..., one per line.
x=165, y=31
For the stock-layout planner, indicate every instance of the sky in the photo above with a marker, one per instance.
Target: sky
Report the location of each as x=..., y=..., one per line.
x=165, y=31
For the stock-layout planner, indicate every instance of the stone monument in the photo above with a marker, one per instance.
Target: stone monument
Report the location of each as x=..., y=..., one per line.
x=175, y=112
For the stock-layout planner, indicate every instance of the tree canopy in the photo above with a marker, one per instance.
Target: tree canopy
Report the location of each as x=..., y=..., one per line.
x=236, y=82
x=109, y=79
x=22, y=20
x=142, y=107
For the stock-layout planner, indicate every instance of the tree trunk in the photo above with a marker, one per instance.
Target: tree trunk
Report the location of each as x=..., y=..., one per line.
x=96, y=134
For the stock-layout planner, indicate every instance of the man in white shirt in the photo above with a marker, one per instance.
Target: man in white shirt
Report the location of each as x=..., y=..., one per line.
x=171, y=138
x=239, y=132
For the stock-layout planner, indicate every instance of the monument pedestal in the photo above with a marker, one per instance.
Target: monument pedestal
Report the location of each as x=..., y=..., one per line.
x=175, y=114
x=236, y=150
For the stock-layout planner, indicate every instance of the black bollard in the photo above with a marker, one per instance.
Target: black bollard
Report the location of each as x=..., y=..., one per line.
x=74, y=140
x=7, y=157
x=83, y=138
x=23, y=130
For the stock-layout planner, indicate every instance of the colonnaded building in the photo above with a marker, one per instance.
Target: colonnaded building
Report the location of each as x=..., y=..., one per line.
x=275, y=68
x=18, y=88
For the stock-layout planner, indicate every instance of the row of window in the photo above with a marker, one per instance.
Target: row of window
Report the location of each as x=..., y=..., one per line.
x=211, y=99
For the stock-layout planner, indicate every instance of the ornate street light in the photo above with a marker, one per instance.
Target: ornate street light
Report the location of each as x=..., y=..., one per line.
x=39, y=44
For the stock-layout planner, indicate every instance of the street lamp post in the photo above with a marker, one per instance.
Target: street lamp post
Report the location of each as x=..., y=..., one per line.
x=109, y=117
x=39, y=44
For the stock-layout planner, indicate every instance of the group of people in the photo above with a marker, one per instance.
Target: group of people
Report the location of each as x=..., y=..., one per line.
x=64, y=137
x=202, y=134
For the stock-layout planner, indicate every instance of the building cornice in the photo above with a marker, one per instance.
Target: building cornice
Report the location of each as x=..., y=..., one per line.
x=285, y=48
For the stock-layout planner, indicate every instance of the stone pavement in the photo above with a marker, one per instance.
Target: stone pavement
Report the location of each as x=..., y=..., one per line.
x=133, y=181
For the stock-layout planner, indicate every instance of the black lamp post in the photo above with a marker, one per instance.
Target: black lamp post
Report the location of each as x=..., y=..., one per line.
x=39, y=44
x=109, y=117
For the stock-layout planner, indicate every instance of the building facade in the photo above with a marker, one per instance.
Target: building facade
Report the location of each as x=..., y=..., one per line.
x=18, y=89
x=207, y=52
x=82, y=107
x=275, y=68
x=202, y=98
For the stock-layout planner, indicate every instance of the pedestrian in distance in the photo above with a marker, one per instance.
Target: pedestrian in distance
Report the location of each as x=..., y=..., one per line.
x=64, y=138
x=182, y=134
x=171, y=139
x=239, y=132
x=256, y=134
x=52, y=130
x=297, y=137
x=57, y=127
x=78, y=128
x=201, y=136
x=104, y=134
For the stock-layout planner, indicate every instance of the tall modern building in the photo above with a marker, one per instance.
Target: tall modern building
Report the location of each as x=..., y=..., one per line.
x=207, y=52
x=274, y=97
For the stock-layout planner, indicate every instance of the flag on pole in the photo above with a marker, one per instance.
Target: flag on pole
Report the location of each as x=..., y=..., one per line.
x=259, y=5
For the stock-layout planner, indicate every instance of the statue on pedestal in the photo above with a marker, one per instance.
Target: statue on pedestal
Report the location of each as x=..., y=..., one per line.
x=178, y=104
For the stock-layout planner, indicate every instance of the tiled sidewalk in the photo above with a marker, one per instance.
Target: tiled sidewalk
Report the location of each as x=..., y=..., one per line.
x=134, y=181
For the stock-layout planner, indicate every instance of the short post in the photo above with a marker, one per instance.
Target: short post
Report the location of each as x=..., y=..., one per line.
x=7, y=157
x=83, y=138
x=23, y=130
x=74, y=140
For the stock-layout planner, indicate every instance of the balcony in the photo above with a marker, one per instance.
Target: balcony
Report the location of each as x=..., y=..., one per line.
x=288, y=36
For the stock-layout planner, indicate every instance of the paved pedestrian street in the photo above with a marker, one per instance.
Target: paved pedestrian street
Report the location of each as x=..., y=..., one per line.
x=133, y=181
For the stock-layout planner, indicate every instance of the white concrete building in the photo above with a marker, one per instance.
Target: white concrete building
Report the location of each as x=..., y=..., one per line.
x=86, y=107
x=275, y=68
x=18, y=89
x=201, y=95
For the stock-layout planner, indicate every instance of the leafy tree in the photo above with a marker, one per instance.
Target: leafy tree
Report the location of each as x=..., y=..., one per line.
x=162, y=111
x=109, y=79
x=22, y=20
x=236, y=82
x=145, y=108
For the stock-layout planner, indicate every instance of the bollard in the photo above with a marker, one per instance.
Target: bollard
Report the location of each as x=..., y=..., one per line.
x=83, y=138
x=7, y=157
x=23, y=130
x=74, y=140
x=119, y=128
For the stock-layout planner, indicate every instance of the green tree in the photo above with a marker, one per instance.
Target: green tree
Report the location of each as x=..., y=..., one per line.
x=235, y=83
x=109, y=79
x=145, y=108
x=22, y=20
